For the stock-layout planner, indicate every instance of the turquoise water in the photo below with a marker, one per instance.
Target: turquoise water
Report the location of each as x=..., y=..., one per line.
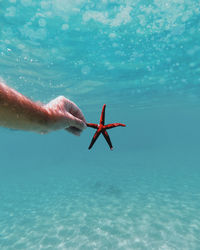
x=141, y=58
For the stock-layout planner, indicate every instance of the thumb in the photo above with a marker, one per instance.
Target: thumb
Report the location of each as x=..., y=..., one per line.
x=73, y=121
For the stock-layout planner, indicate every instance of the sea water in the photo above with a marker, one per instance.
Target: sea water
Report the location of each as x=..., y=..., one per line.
x=141, y=58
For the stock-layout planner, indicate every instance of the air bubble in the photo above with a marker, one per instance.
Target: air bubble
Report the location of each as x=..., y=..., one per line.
x=85, y=70
x=112, y=35
x=42, y=23
x=20, y=46
x=10, y=11
x=65, y=26
x=26, y=2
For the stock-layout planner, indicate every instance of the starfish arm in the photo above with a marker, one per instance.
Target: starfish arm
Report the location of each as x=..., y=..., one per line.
x=113, y=125
x=102, y=118
x=92, y=125
x=106, y=136
x=96, y=135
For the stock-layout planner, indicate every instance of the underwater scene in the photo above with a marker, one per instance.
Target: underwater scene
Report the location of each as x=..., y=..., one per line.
x=141, y=59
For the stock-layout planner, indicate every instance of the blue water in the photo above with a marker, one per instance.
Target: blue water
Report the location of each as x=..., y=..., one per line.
x=141, y=58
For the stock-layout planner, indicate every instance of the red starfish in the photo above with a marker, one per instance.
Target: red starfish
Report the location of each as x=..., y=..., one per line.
x=101, y=128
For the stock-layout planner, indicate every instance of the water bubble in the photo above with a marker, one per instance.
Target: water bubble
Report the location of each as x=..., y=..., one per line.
x=42, y=22
x=142, y=20
x=85, y=70
x=65, y=26
x=26, y=2
x=119, y=53
x=45, y=5
x=115, y=45
x=140, y=31
x=7, y=41
x=20, y=46
x=80, y=62
x=109, y=65
x=10, y=11
x=112, y=35
x=54, y=50
x=192, y=64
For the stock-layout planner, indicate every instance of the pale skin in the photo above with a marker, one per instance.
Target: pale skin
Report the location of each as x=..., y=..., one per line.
x=19, y=112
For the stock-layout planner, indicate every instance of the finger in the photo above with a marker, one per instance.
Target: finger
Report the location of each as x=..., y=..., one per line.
x=73, y=109
x=76, y=122
x=74, y=131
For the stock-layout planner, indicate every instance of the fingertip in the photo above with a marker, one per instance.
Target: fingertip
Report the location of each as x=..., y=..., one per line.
x=74, y=131
x=85, y=125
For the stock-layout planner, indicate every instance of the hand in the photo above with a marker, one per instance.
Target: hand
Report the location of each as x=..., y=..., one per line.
x=65, y=115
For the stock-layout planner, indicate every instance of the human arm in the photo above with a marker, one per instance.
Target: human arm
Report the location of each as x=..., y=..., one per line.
x=19, y=112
